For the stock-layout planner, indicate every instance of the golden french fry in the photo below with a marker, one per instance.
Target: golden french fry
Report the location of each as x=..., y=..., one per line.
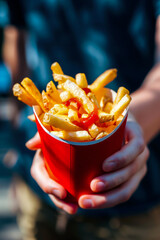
x=84, y=115
x=103, y=92
x=79, y=136
x=56, y=68
x=59, y=109
x=32, y=118
x=105, y=117
x=23, y=95
x=101, y=135
x=103, y=101
x=93, y=130
x=108, y=107
x=47, y=101
x=53, y=92
x=110, y=128
x=47, y=126
x=31, y=88
x=65, y=96
x=93, y=98
x=120, y=93
x=118, y=109
x=81, y=80
x=103, y=79
x=62, y=78
x=60, y=121
x=73, y=115
x=77, y=92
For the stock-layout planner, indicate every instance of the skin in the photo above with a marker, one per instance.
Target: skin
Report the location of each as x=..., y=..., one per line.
x=125, y=169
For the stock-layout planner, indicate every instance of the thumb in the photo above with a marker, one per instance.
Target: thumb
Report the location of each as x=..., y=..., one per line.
x=34, y=143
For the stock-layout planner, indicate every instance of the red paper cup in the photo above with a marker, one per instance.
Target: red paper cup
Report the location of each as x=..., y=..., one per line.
x=75, y=164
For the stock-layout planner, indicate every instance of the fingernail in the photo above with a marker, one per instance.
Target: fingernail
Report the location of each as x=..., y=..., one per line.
x=87, y=203
x=99, y=186
x=108, y=166
x=57, y=193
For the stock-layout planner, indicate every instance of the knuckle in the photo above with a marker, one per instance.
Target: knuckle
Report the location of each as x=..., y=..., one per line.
x=46, y=189
x=123, y=160
x=140, y=145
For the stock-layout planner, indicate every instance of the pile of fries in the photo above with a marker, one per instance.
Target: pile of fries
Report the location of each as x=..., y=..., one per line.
x=76, y=111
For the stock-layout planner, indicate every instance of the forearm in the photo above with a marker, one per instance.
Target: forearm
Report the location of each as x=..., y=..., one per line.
x=145, y=105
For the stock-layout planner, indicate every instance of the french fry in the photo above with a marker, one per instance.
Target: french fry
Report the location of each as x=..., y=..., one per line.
x=23, y=95
x=93, y=130
x=60, y=121
x=53, y=92
x=103, y=101
x=73, y=115
x=84, y=115
x=118, y=109
x=120, y=93
x=62, y=78
x=59, y=109
x=77, y=92
x=47, y=101
x=110, y=128
x=65, y=96
x=108, y=107
x=31, y=88
x=56, y=68
x=81, y=80
x=93, y=98
x=101, y=135
x=105, y=117
x=32, y=118
x=103, y=80
x=79, y=136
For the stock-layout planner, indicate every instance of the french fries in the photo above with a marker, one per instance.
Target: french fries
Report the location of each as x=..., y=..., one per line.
x=79, y=93
x=78, y=111
x=31, y=88
x=103, y=79
x=60, y=121
x=23, y=95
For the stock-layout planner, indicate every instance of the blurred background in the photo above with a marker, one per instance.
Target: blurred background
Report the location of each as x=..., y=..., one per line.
x=8, y=206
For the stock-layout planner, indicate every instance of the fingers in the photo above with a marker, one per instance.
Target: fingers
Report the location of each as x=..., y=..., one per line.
x=67, y=207
x=34, y=143
x=39, y=173
x=113, y=197
x=111, y=180
x=128, y=152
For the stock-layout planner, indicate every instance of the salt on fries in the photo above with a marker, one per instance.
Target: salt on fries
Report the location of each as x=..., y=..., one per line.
x=78, y=111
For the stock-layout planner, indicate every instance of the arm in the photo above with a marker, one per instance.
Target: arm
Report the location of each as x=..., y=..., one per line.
x=146, y=100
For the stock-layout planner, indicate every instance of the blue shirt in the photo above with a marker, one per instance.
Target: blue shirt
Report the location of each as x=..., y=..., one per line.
x=92, y=36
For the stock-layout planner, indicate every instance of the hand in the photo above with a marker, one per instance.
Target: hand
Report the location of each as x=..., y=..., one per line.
x=124, y=171
x=38, y=171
